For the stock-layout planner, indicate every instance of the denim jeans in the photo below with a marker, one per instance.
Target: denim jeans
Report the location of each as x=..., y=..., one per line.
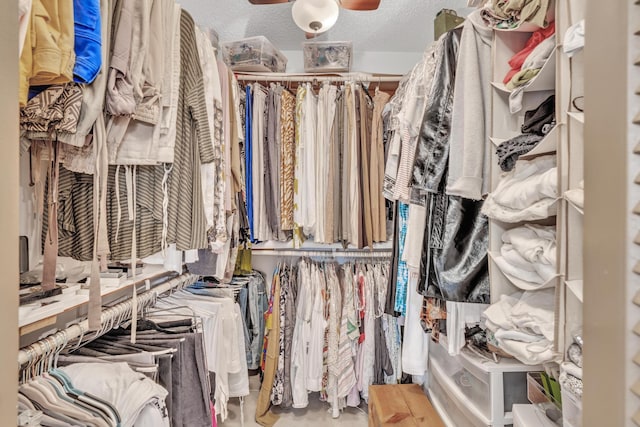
x=253, y=303
x=255, y=322
x=243, y=300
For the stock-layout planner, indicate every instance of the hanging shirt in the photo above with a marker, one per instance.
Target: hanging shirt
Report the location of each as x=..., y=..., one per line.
x=287, y=160
x=248, y=159
x=272, y=161
x=355, y=205
x=299, y=176
x=403, y=271
x=171, y=89
x=208, y=170
x=325, y=114
x=47, y=56
x=187, y=224
x=411, y=115
x=318, y=326
x=257, y=159
x=379, y=218
x=301, y=336
x=87, y=43
x=308, y=143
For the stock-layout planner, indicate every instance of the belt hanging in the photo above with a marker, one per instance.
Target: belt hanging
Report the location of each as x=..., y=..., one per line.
x=134, y=250
x=100, y=244
x=51, y=240
x=165, y=205
x=119, y=214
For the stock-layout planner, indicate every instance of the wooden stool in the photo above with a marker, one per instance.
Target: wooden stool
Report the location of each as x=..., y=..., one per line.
x=401, y=405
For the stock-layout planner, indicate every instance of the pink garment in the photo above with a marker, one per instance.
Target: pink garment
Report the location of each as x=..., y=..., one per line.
x=214, y=422
x=518, y=59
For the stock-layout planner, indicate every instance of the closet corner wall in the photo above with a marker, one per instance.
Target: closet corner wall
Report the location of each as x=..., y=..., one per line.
x=571, y=169
x=610, y=225
x=9, y=213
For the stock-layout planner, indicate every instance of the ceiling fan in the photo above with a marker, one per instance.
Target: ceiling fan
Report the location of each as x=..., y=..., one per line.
x=317, y=16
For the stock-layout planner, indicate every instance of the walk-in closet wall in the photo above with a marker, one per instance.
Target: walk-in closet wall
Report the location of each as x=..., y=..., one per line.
x=633, y=93
x=570, y=111
x=570, y=107
x=609, y=222
x=9, y=212
x=388, y=40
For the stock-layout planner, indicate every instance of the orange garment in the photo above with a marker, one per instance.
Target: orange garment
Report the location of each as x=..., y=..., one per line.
x=518, y=59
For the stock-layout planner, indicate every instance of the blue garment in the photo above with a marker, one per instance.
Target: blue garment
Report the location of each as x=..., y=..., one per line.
x=248, y=159
x=88, y=40
x=403, y=271
x=35, y=90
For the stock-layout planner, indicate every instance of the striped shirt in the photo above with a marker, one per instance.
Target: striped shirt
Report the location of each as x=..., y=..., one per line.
x=187, y=226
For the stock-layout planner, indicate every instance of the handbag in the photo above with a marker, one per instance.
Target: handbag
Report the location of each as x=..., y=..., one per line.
x=445, y=20
x=243, y=261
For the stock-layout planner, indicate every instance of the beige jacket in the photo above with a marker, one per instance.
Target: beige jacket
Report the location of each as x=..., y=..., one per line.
x=47, y=56
x=134, y=137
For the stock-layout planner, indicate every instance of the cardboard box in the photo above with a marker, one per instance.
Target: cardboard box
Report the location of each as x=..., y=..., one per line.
x=401, y=405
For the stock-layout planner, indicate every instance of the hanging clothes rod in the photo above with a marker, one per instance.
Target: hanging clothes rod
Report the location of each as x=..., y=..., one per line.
x=111, y=317
x=347, y=77
x=334, y=253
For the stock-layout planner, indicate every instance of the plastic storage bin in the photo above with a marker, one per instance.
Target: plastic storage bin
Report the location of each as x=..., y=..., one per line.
x=449, y=408
x=485, y=390
x=253, y=54
x=571, y=409
x=530, y=416
x=475, y=386
x=542, y=398
x=327, y=56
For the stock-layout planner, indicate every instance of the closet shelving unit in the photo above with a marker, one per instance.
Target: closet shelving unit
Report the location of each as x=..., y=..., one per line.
x=66, y=308
x=565, y=76
x=505, y=126
x=490, y=390
x=571, y=84
x=111, y=317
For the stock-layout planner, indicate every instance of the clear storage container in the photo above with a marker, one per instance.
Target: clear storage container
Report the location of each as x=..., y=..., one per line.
x=446, y=403
x=474, y=385
x=541, y=397
x=253, y=54
x=327, y=56
x=571, y=409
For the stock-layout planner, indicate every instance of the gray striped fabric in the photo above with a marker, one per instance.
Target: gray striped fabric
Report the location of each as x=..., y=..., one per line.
x=75, y=214
x=186, y=219
x=187, y=223
x=148, y=213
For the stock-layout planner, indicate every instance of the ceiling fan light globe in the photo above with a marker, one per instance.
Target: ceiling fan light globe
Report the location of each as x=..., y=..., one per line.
x=315, y=16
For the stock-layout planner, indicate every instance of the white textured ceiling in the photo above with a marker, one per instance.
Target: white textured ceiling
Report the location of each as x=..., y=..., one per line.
x=397, y=26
